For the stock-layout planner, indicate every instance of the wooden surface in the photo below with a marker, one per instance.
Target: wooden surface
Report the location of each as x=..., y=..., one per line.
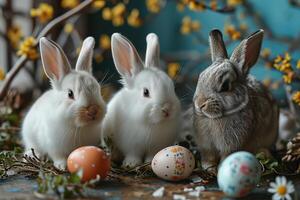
x=19, y=187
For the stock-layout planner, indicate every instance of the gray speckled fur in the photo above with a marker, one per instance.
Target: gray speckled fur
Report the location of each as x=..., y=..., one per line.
x=243, y=118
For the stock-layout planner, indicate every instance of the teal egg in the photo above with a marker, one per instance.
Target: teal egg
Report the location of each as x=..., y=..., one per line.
x=239, y=173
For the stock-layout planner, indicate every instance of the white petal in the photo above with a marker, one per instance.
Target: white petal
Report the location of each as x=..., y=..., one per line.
x=159, y=192
x=290, y=187
x=283, y=180
x=278, y=180
x=275, y=197
x=288, y=197
x=273, y=185
x=272, y=190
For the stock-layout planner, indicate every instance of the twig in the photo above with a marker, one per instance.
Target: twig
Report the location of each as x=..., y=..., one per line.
x=23, y=59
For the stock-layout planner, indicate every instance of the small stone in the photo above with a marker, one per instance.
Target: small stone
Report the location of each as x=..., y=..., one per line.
x=200, y=188
x=179, y=197
x=195, y=193
x=159, y=192
x=188, y=189
x=196, y=179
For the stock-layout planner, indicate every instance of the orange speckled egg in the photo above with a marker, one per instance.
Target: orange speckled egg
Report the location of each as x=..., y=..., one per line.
x=92, y=160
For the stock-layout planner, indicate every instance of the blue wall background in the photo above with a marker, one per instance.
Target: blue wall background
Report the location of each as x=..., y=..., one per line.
x=280, y=17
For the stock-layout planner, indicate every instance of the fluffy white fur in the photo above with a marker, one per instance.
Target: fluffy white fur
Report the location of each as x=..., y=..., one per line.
x=57, y=124
x=140, y=126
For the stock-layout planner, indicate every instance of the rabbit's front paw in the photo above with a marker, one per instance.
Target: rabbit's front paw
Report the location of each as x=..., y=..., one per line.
x=131, y=161
x=60, y=164
x=210, y=167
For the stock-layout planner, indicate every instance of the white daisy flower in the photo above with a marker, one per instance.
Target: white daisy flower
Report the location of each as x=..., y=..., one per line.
x=281, y=189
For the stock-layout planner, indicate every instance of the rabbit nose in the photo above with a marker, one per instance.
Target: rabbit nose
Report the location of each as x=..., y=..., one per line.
x=92, y=111
x=166, y=112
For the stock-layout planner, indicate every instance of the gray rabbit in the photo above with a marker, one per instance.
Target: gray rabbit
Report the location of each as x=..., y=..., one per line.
x=232, y=111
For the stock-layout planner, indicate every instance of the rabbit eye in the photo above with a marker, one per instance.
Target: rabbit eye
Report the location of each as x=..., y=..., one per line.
x=70, y=94
x=146, y=93
x=225, y=86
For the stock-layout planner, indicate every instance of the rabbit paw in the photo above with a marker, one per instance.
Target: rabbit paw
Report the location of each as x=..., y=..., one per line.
x=60, y=164
x=130, y=162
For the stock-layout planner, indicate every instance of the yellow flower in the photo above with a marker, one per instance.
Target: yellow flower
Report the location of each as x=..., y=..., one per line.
x=180, y=7
x=244, y=27
x=298, y=64
x=232, y=32
x=213, y=4
x=188, y=26
x=2, y=74
x=234, y=3
x=43, y=13
x=106, y=14
x=134, y=18
x=154, y=6
x=296, y=97
x=27, y=48
x=196, y=6
x=173, y=69
x=266, y=53
x=288, y=77
x=69, y=4
x=283, y=64
x=99, y=4
x=98, y=57
x=104, y=42
x=68, y=28
x=14, y=35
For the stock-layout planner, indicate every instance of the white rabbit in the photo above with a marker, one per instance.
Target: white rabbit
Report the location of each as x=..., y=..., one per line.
x=143, y=117
x=69, y=115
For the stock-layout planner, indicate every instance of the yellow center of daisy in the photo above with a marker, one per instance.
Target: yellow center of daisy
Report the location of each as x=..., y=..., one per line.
x=281, y=190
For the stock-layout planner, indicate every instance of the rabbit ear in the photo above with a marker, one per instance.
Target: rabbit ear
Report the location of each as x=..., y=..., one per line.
x=126, y=59
x=247, y=53
x=217, y=46
x=85, y=58
x=55, y=62
x=152, y=52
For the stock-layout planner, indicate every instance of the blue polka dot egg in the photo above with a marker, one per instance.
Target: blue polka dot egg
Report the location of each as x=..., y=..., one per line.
x=238, y=174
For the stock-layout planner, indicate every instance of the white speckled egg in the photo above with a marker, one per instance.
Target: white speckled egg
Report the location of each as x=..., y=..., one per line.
x=173, y=163
x=238, y=174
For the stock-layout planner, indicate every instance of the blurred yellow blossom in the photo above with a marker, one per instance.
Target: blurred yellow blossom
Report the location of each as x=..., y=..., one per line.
x=106, y=14
x=14, y=35
x=104, y=42
x=173, y=69
x=27, y=48
x=298, y=64
x=213, y=4
x=134, y=18
x=288, y=77
x=243, y=26
x=196, y=6
x=283, y=63
x=154, y=5
x=266, y=52
x=2, y=74
x=296, y=97
x=68, y=28
x=232, y=32
x=267, y=82
x=99, y=4
x=234, y=3
x=189, y=26
x=115, y=14
x=43, y=13
x=180, y=6
x=69, y=4
x=98, y=57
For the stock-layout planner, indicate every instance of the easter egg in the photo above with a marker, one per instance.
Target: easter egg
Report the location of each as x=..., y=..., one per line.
x=92, y=160
x=173, y=163
x=238, y=174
